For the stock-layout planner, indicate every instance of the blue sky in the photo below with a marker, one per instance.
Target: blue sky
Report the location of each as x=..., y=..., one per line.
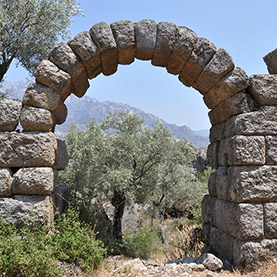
x=247, y=29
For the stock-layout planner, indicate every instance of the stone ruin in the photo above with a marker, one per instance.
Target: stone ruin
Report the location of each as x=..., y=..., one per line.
x=240, y=212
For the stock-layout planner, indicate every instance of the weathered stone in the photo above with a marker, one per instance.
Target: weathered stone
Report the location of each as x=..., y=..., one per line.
x=34, y=180
x=5, y=182
x=50, y=75
x=23, y=209
x=218, y=67
x=62, y=155
x=221, y=182
x=217, y=132
x=37, y=119
x=60, y=113
x=252, y=183
x=9, y=114
x=271, y=149
x=206, y=231
x=212, y=154
x=210, y=261
x=270, y=211
x=166, y=33
x=87, y=50
x=243, y=221
x=40, y=96
x=183, y=46
x=27, y=149
x=261, y=122
x=146, y=33
x=271, y=61
x=239, y=103
x=103, y=36
x=124, y=33
x=212, y=184
x=234, y=82
x=242, y=150
x=208, y=209
x=221, y=243
x=60, y=197
x=199, y=58
x=63, y=56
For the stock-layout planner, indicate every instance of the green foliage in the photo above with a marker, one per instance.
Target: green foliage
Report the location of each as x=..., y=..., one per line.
x=30, y=28
x=35, y=250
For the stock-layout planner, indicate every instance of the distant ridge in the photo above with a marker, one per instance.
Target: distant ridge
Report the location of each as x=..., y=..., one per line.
x=81, y=110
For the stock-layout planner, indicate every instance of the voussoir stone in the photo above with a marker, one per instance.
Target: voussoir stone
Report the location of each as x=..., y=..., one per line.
x=27, y=149
x=234, y=82
x=87, y=50
x=271, y=61
x=62, y=155
x=5, y=182
x=37, y=119
x=24, y=209
x=261, y=122
x=252, y=183
x=34, y=181
x=264, y=89
x=124, y=34
x=199, y=58
x=184, y=43
x=146, y=33
x=242, y=150
x=50, y=75
x=166, y=33
x=270, y=211
x=103, y=36
x=64, y=57
x=218, y=67
x=60, y=113
x=241, y=102
x=9, y=114
x=40, y=96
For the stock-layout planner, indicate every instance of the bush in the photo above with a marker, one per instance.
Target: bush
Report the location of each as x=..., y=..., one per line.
x=35, y=250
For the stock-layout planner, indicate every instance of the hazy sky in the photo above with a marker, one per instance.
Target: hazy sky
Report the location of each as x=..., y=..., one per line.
x=247, y=29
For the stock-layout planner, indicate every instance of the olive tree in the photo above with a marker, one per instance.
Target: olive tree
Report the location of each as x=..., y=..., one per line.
x=30, y=28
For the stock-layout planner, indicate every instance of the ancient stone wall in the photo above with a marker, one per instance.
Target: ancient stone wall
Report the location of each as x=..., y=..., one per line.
x=240, y=212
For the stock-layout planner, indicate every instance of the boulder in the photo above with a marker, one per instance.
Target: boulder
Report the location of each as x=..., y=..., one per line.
x=210, y=261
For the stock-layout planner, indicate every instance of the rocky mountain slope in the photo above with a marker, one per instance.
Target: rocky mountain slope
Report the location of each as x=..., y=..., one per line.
x=81, y=110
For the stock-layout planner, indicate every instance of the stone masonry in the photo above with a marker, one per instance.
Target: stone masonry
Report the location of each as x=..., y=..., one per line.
x=240, y=212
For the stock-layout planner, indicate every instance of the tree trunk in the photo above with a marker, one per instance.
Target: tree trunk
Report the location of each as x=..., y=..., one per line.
x=3, y=69
x=118, y=201
x=162, y=227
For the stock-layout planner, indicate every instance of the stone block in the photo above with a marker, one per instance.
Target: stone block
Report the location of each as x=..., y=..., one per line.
x=50, y=75
x=23, y=209
x=221, y=182
x=103, y=36
x=218, y=67
x=62, y=155
x=34, y=181
x=166, y=33
x=212, y=154
x=261, y=122
x=199, y=58
x=234, y=82
x=60, y=113
x=5, y=182
x=242, y=102
x=206, y=228
x=217, y=132
x=270, y=212
x=208, y=209
x=264, y=89
x=184, y=43
x=9, y=114
x=271, y=61
x=64, y=57
x=87, y=50
x=146, y=33
x=212, y=185
x=37, y=95
x=60, y=197
x=242, y=150
x=252, y=183
x=27, y=149
x=37, y=119
x=271, y=149
x=124, y=34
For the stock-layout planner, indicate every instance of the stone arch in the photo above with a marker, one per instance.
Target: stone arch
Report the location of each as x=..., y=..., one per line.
x=240, y=211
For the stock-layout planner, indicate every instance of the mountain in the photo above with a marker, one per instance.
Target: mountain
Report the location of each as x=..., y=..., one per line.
x=81, y=110
x=203, y=132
